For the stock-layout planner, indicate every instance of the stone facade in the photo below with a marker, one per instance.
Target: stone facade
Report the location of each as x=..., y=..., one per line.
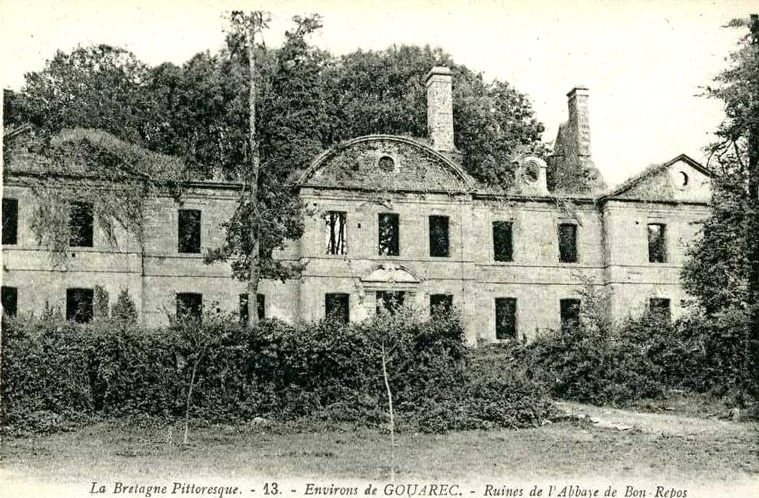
x=392, y=214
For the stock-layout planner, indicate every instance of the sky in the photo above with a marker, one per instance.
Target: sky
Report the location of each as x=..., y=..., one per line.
x=646, y=62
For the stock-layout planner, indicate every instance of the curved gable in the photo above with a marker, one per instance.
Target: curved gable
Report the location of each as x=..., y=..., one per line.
x=386, y=162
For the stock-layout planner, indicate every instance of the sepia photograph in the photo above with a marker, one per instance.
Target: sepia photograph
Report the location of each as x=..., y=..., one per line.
x=449, y=248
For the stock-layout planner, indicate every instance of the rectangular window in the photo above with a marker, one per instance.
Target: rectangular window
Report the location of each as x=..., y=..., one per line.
x=660, y=307
x=189, y=305
x=10, y=300
x=441, y=303
x=390, y=301
x=260, y=304
x=388, y=234
x=503, y=247
x=439, y=236
x=10, y=221
x=335, y=232
x=79, y=305
x=505, y=318
x=189, y=231
x=568, y=243
x=570, y=313
x=337, y=307
x=657, y=243
x=80, y=224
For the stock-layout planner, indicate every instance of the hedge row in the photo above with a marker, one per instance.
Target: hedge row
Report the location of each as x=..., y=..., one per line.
x=57, y=372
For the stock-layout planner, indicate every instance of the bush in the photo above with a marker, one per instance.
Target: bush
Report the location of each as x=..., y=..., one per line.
x=57, y=372
x=643, y=358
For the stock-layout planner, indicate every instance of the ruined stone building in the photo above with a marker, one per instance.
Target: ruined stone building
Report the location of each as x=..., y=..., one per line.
x=395, y=220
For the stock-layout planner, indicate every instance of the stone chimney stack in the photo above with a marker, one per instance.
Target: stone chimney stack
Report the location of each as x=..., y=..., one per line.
x=440, y=108
x=579, y=121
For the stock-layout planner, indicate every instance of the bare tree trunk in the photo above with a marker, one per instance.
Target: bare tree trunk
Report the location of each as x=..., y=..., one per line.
x=255, y=274
x=189, y=398
x=392, y=418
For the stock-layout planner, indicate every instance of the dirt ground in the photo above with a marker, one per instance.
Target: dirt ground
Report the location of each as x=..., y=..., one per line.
x=605, y=448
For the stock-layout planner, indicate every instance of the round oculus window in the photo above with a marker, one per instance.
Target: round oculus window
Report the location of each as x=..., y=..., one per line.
x=386, y=164
x=531, y=172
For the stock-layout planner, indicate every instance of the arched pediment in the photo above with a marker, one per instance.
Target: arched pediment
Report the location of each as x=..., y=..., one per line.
x=387, y=162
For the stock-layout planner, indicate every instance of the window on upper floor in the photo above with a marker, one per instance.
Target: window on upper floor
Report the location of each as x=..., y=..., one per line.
x=10, y=300
x=388, y=234
x=441, y=303
x=570, y=313
x=503, y=247
x=439, y=241
x=189, y=306
x=660, y=307
x=81, y=220
x=390, y=301
x=80, y=305
x=10, y=221
x=337, y=307
x=189, y=231
x=335, y=232
x=568, y=243
x=657, y=243
x=505, y=318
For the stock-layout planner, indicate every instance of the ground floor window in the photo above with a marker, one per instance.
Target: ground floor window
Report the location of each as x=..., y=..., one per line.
x=390, y=301
x=505, y=318
x=337, y=307
x=441, y=303
x=570, y=313
x=189, y=305
x=79, y=305
x=660, y=307
x=10, y=300
x=260, y=307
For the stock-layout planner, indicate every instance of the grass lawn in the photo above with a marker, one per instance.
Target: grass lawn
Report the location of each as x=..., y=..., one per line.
x=672, y=448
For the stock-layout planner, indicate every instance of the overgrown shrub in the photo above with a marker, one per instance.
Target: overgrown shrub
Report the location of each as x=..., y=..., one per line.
x=642, y=358
x=56, y=372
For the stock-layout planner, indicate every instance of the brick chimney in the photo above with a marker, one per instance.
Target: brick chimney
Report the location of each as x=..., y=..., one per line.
x=579, y=122
x=440, y=108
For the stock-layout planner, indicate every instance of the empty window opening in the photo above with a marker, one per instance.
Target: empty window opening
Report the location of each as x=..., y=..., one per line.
x=570, y=313
x=660, y=307
x=79, y=305
x=505, y=318
x=189, y=306
x=439, y=241
x=335, y=233
x=441, y=303
x=80, y=224
x=260, y=307
x=189, y=231
x=386, y=164
x=10, y=301
x=337, y=307
x=10, y=221
x=683, y=179
x=390, y=301
x=568, y=243
x=657, y=243
x=503, y=247
x=388, y=234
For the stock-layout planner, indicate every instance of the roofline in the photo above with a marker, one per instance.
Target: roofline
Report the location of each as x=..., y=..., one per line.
x=67, y=176
x=635, y=180
x=317, y=163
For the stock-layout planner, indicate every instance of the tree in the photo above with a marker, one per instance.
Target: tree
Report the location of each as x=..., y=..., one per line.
x=723, y=269
x=99, y=87
x=384, y=92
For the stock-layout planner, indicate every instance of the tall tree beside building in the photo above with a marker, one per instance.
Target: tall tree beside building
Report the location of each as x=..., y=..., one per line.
x=723, y=268
x=384, y=92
